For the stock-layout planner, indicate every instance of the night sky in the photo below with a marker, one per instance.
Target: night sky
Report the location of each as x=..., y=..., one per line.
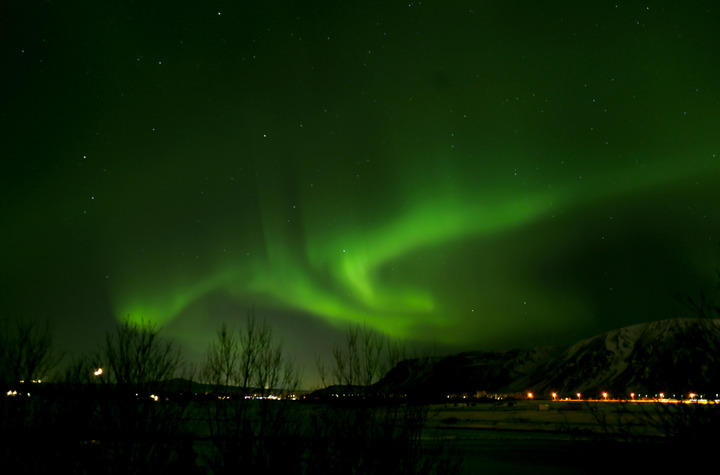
x=464, y=174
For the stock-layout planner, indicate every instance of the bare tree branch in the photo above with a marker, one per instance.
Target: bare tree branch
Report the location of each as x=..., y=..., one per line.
x=27, y=352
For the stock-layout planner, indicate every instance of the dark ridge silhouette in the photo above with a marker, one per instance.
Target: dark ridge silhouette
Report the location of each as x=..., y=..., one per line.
x=675, y=356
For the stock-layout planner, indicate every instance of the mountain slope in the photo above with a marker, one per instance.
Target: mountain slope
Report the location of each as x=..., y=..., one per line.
x=671, y=356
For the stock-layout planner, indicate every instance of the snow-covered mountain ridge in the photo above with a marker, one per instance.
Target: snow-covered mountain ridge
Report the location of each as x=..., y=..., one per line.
x=674, y=356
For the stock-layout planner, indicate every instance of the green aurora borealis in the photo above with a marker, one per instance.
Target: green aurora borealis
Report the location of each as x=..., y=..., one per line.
x=473, y=174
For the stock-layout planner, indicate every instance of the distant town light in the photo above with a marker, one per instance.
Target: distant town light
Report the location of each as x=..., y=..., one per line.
x=98, y=372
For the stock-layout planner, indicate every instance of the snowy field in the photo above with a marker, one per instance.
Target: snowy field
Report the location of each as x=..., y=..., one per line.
x=564, y=437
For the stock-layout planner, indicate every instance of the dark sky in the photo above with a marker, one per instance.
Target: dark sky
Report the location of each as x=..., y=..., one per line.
x=470, y=174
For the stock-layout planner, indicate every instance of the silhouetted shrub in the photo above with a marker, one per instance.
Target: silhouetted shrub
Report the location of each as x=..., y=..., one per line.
x=250, y=428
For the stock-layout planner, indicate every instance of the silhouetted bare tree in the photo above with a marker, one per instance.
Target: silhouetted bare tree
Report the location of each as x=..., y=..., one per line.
x=138, y=423
x=249, y=427
x=27, y=356
x=26, y=351
x=366, y=432
x=361, y=359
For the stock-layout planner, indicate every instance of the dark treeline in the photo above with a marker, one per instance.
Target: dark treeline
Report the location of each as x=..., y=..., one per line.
x=133, y=405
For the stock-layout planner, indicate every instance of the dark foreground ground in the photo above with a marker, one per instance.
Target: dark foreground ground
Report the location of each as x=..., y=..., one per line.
x=566, y=438
x=538, y=437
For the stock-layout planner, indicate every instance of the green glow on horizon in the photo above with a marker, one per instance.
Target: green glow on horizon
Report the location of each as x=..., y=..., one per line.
x=472, y=177
x=337, y=276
